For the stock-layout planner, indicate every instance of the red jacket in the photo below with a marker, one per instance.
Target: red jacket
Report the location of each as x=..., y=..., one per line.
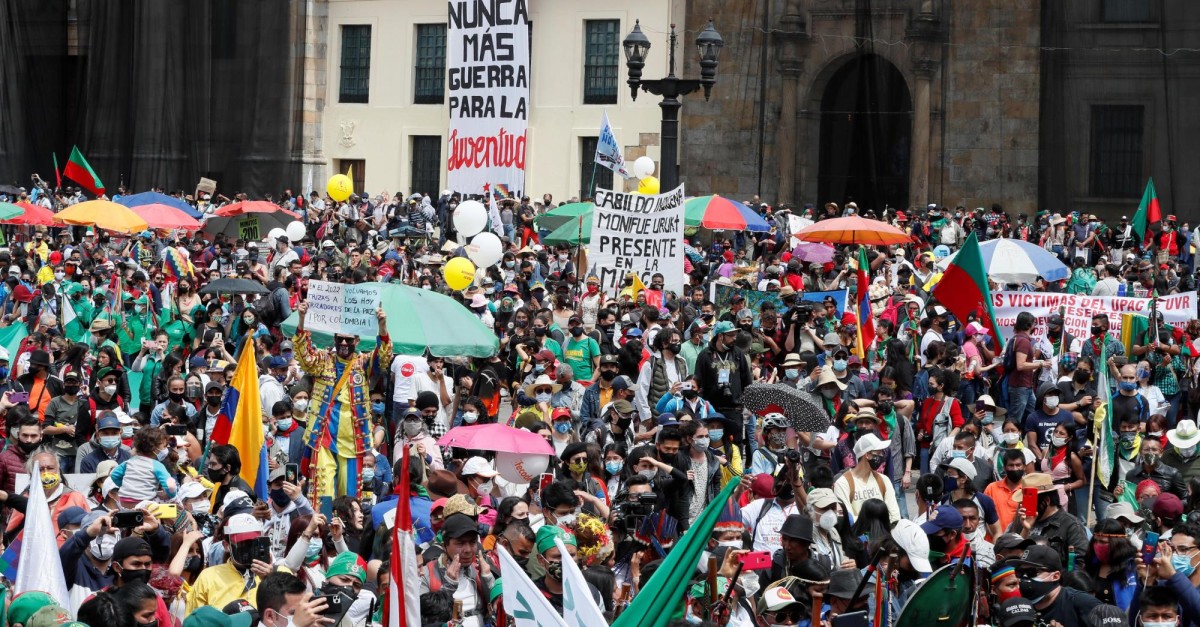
x=12, y=463
x=930, y=409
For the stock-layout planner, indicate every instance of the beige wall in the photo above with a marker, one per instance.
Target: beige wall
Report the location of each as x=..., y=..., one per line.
x=380, y=130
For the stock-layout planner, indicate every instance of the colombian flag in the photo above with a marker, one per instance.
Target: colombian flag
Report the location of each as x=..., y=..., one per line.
x=240, y=421
x=866, y=321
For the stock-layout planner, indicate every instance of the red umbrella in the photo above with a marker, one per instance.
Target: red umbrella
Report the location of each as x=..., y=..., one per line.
x=160, y=216
x=249, y=220
x=35, y=215
x=496, y=437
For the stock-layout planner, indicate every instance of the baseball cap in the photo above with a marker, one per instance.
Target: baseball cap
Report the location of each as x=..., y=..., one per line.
x=108, y=421
x=458, y=525
x=945, y=517
x=821, y=497
x=277, y=362
x=71, y=516
x=870, y=443
x=241, y=527
x=347, y=563
x=1120, y=510
x=190, y=490
x=909, y=536
x=623, y=407
x=775, y=599
x=478, y=466
x=1010, y=541
x=1042, y=557
x=621, y=382
x=209, y=616
x=1017, y=611
x=1167, y=505
x=129, y=547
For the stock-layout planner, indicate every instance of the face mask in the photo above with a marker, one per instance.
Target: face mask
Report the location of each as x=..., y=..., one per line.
x=3, y=372
x=58, y=276
x=716, y=435
x=555, y=569
x=1051, y=402
x=194, y=564
x=135, y=576
x=828, y=520
x=70, y=390
x=1150, y=459
x=950, y=484
x=649, y=474
x=411, y=428
x=777, y=441
x=110, y=390
x=1101, y=551
x=1097, y=329
x=200, y=507
x=1142, y=373
x=791, y=373
x=283, y=424
x=214, y=401
x=314, y=549
x=539, y=368
x=485, y=487
x=1127, y=386
x=839, y=365
x=217, y=475
x=110, y=441
x=1036, y=590
x=280, y=498
x=1058, y=442
x=576, y=331
x=1183, y=565
x=1155, y=434
x=50, y=480
x=162, y=455
x=1188, y=451
x=539, y=331
x=300, y=404
x=562, y=427
x=470, y=417
x=613, y=467
x=828, y=393
x=608, y=375
x=700, y=445
x=127, y=432
x=102, y=547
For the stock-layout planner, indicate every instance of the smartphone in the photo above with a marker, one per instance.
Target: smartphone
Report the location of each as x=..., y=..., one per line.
x=165, y=511
x=19, y=397
x=685, y=386
x=1029, y=499
x=291, y=472
x=756, y=560
x=326, y=506
x=179, y=430
x=128, y=520
x=1149, y=547
x=980, y=406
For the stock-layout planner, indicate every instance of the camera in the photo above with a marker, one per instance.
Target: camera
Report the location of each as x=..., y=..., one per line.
x=630, y=511
x=792, y=455
x=802, y=313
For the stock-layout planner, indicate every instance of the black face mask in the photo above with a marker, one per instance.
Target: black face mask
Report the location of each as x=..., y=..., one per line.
x=28, y=447
x=216, y=475
x=214, y=401
x=576, y=331
x=194, y=565
x=690, y=394
x=176, y=397
x=1014, y=476
x=539, y=331
x=608, y=375
x=70, y=390
x=1081, y=377
x=674, y=347
x=135, y=576
x=1097, y=329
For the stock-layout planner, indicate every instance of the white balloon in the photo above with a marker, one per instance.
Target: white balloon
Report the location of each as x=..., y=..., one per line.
x=470, y=218
x=275, y=234
x=519, y=468
x=643, y=166
x=485, y=249
x=296, y=231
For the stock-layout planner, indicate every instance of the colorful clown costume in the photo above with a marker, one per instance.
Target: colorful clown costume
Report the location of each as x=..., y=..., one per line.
x=339, y=417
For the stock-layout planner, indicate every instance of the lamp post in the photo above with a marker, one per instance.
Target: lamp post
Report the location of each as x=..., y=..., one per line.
x=637, y=45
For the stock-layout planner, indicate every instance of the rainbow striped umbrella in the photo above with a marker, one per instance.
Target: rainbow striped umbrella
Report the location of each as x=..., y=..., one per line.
x=718, y=213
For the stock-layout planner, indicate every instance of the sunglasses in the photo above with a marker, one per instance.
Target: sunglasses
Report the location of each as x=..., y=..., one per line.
x=343, y=340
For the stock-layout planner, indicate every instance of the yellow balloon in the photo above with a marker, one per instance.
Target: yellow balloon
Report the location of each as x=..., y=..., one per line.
x=339, y=187
x=459, y=273
x=648, y=185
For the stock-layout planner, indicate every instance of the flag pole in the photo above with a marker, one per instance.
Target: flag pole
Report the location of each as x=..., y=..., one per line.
x=1091, y=512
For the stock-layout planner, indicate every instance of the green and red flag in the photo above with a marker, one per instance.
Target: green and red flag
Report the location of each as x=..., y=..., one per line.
x=1149, y=212
x=964, y=289
x=57, y=172
x=78, y=170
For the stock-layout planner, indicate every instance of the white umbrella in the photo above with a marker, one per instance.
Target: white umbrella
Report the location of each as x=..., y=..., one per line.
x=1016, y=261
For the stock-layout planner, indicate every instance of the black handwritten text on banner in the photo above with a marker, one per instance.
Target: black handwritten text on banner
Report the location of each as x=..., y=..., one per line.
x=640, y=234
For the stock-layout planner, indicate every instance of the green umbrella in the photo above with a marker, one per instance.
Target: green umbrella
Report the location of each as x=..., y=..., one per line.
x=568, y=233
x=420, y=320
x=559, y=216
x=9, y=211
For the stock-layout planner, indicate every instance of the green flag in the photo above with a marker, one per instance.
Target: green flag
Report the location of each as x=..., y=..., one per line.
x=1106, y=449
x=656, y=602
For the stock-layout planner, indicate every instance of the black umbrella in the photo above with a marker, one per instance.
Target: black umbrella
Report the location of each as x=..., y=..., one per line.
x=11, y=190
x=234, y=286
x=803, y=410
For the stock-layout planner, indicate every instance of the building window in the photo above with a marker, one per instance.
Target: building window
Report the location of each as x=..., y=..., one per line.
x=1125, y=11
x=426, y=164
x=1116, y=168
x=601, y=59
x=591, y=174
x=356, y=169
x=431, y=64
x=356, y=64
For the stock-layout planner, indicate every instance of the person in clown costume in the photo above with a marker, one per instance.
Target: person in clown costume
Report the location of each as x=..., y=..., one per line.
x=339, y=421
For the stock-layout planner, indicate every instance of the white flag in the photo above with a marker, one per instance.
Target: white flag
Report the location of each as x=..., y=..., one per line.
x=40, y=573
x=494, y=214
x=68, y=312
x=522, y=599
x=608, y=150
x=579, y=608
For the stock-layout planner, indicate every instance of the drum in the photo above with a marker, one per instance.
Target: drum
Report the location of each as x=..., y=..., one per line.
x=945, y=599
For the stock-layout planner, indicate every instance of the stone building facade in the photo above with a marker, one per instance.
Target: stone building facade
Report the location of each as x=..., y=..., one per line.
x=896, y=103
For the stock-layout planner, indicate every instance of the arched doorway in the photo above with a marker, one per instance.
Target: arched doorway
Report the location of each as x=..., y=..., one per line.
x=866, y=127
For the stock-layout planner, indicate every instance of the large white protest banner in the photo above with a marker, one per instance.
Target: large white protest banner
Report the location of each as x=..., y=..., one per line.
x=637, y=233
x=487, y=54
x=1078, y=310
x=522, y=599
x=340, y=308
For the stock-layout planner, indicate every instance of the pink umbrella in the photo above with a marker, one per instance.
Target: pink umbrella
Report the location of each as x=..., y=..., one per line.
x=813, y=252
x=496, y=437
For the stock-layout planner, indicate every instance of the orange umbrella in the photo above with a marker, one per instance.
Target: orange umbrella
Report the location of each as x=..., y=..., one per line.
x=160, y=216
x=35, y=215
x=102, y=214
x=853, y=230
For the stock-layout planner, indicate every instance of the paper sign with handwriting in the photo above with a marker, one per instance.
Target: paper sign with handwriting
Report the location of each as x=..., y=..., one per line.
x=339, y=308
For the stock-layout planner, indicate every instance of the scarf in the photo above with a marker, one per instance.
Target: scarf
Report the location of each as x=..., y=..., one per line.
x=889, y=421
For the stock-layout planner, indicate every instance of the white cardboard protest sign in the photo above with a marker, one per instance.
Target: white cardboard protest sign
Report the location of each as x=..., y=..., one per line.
x=637, y=233
x=487, y=58
x=1078, y=310
x=340, y=308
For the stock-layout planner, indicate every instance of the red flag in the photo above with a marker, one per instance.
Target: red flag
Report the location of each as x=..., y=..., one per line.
x=402, y=606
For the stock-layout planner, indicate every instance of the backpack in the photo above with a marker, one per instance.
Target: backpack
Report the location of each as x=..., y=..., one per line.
x=920, y=388
x=267, y=309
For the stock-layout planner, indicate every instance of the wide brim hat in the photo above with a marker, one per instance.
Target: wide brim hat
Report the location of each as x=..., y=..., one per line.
x=1185, y=434
x=1040, y=480
x=542, y=380
x=827, y=376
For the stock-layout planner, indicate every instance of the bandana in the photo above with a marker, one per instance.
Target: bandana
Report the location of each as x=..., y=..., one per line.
x=546, y=535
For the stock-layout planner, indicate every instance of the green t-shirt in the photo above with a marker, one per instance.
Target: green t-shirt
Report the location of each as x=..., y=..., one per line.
x=579, y=354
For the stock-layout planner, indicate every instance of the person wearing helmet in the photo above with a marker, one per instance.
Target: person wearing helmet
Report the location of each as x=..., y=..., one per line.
x=767, y=458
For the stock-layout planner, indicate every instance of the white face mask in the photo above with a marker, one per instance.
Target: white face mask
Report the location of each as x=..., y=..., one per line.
x=102, y=547
x=470, y=417
x=110, y=390
x=300, y=404
x=567, y=520
x=1058, y=442
x=1011, y=438
x=485, y=487
x=200, y=506
x=828, y=520
x=1051, y=402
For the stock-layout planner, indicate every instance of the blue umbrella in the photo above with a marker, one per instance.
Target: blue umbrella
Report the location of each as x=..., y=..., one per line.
x=1017, y=261
x=148, y=198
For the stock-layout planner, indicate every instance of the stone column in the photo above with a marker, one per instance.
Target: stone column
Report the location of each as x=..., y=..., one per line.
x=316, y=33
x=918, y=188
x=791, y=31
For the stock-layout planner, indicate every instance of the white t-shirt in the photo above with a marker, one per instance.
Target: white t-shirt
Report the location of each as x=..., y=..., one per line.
x=767, y=538
x=404, y=368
